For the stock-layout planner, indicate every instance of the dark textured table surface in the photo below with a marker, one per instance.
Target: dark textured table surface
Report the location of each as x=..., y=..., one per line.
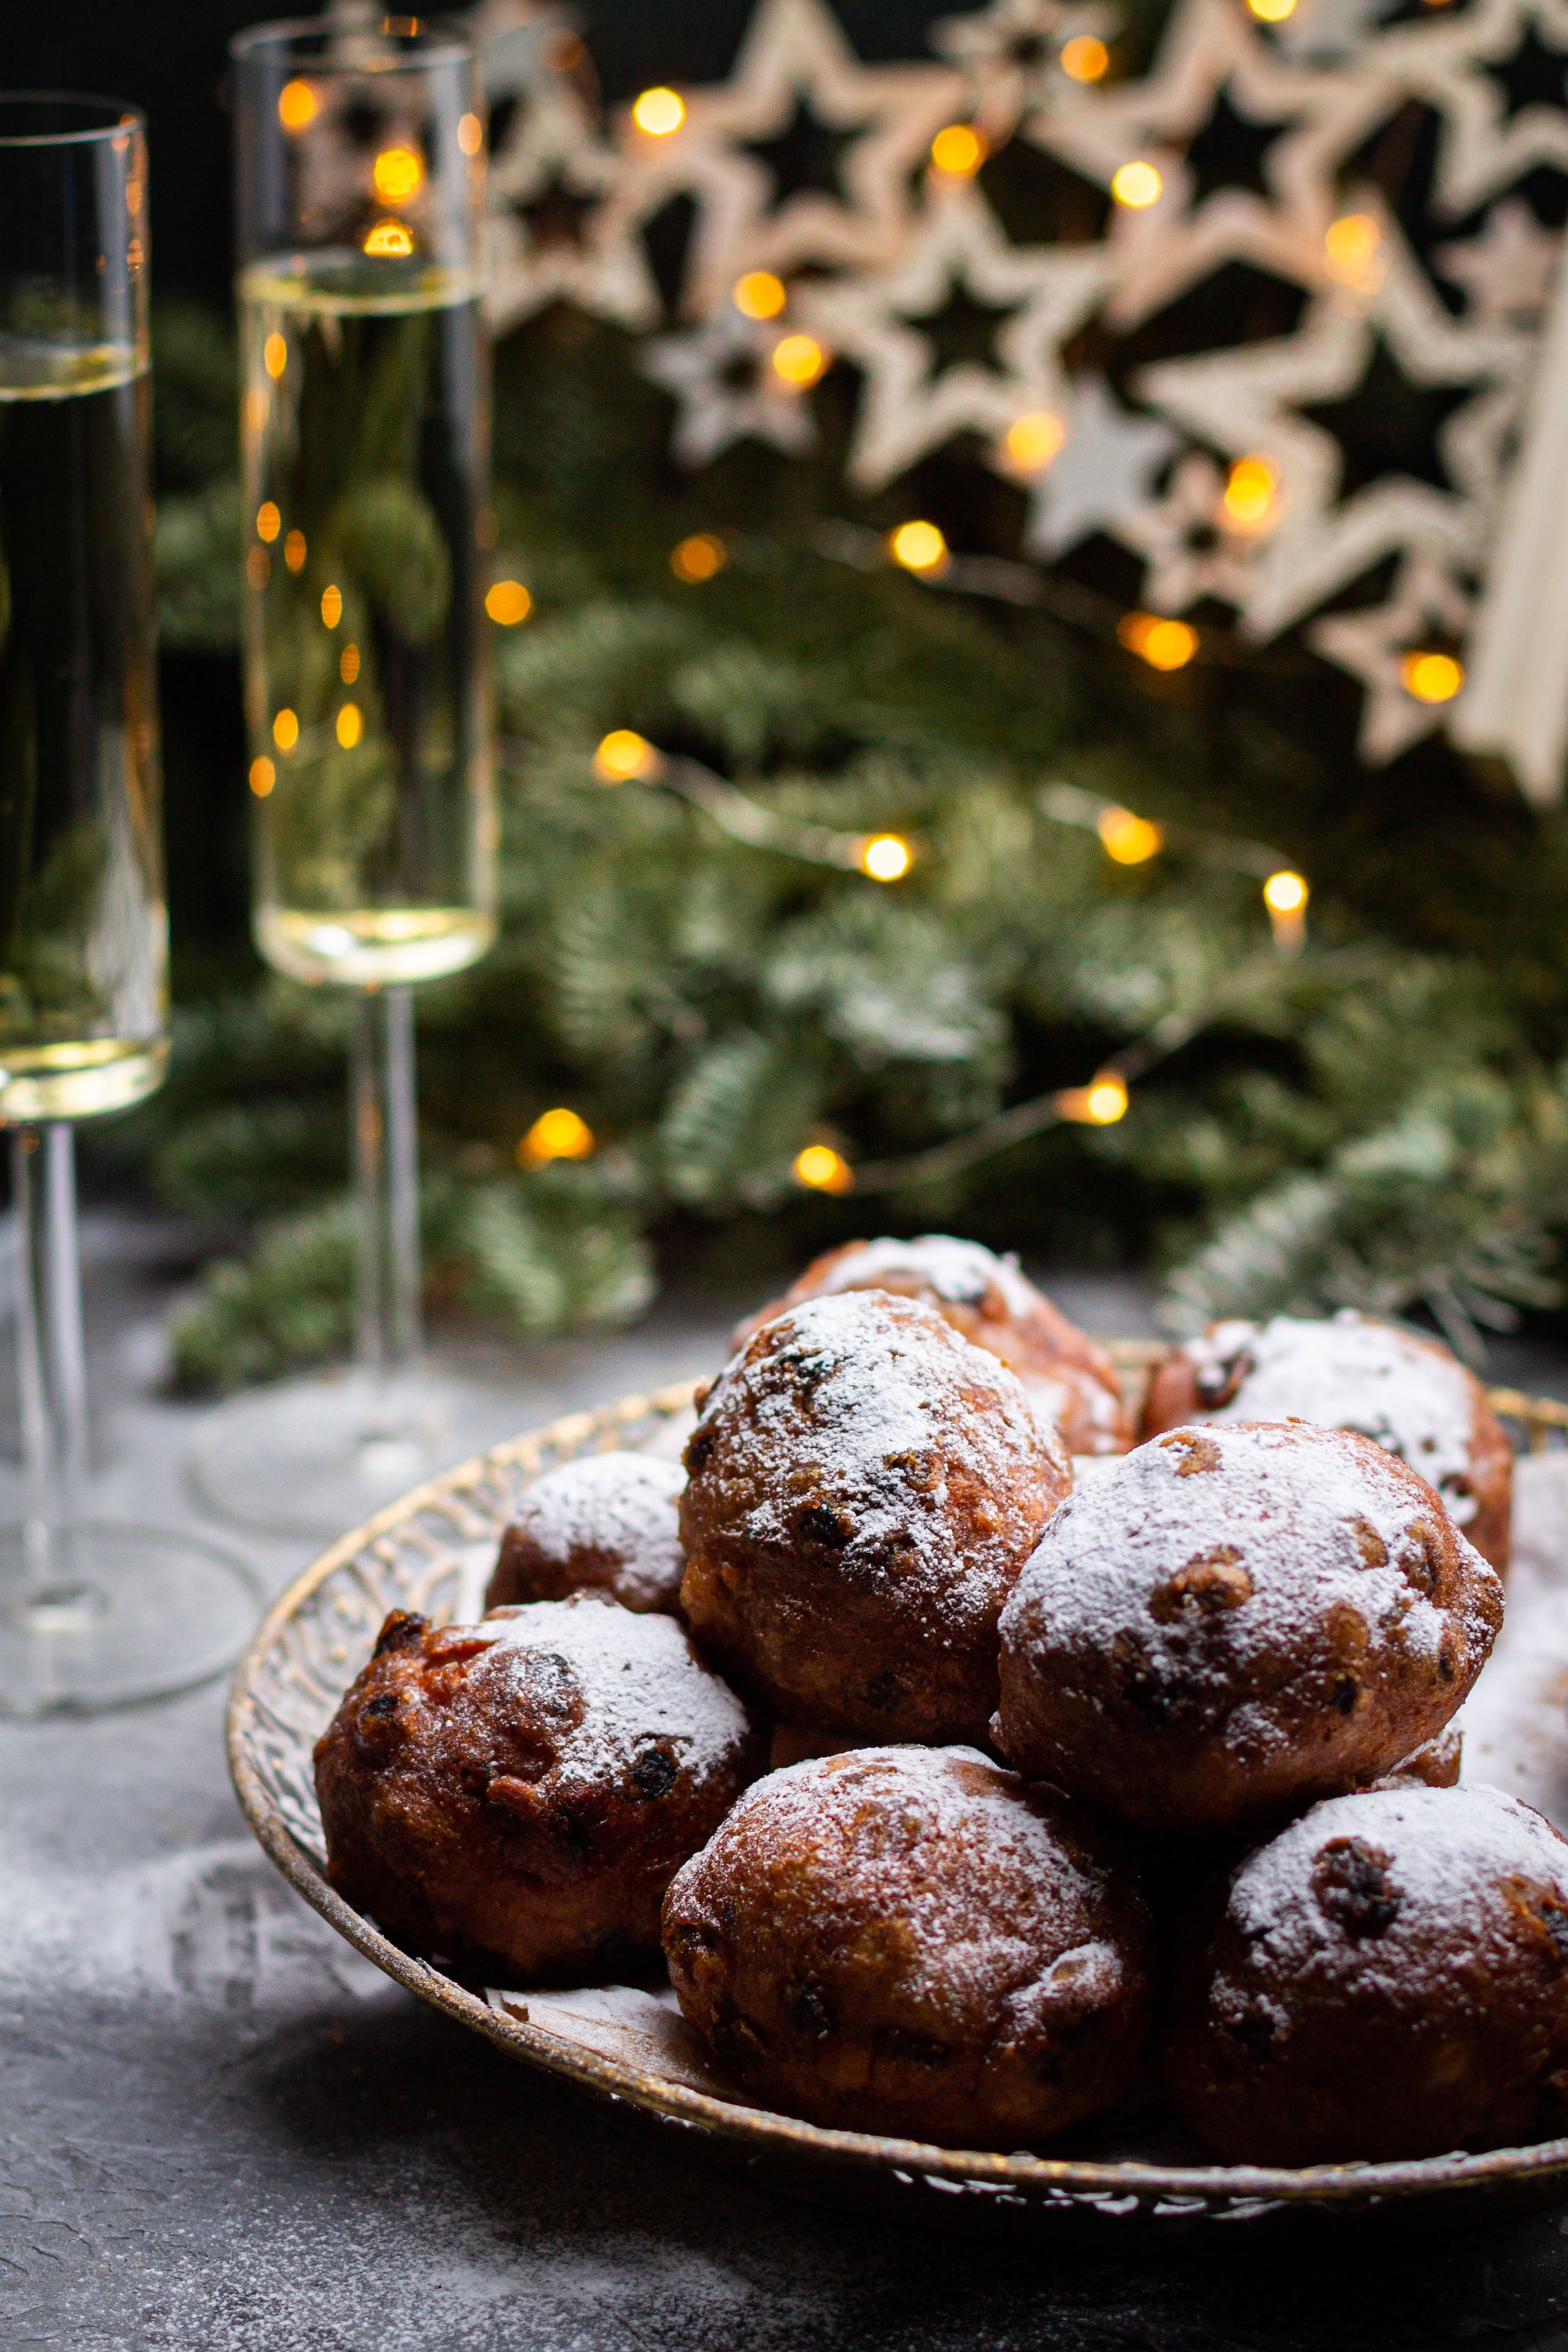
x=221, y=2129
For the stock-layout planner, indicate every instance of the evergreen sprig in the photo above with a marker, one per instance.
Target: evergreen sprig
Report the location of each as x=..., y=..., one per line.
x=1379, y=1120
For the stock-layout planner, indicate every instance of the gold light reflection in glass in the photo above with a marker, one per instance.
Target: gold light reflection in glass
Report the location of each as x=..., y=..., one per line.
x=886, y=857
x=275, y=356
x=1084, y=58
x=919, y=547
x=701, y=557
x=332, y=607
x=822, y=1170
x=1163, y=644
x=758, y=294
x=348, y=663
x=389, y=241
x=263, y=776
x=470, y=133
x=1032, y=441
x=351, y=725
x=798, y=360
x=298, y=105
x=1130, y=840
x=294, y=551
x=268, y=521
x=256, y=407
x=509, y=602
x=285, y=731
x=558, y=1134
x=959, y=150
x=1137, y=186
x=624, y=755
x=397, y=173
x=258, y=567
x=1272, y=12
x=659, y=112
x=1431, y=677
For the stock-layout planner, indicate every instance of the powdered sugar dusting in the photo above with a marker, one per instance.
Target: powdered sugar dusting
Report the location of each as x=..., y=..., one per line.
x=1315, y=1527
x=620, y=1506
x=876, y=1403
x=961, y=1272
x=640, y=1678
x=1350, y=1371
x=1445, y=1848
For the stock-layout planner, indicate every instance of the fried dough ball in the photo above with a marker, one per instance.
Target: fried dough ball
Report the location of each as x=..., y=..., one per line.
x=1352, y=1371
x=907, y=1941
x=526, y=1787
x=1388, y=1978
x=864, y=1487
x=608, y=1521
x=1237, y=1619
x=1067, y=1378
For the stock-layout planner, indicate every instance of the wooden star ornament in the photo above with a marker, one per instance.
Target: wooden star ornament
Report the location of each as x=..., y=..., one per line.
x=1180, y=229
x=797, y=84
x=910, y=403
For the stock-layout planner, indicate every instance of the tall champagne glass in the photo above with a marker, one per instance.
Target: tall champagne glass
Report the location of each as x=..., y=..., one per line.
x=366, y=430
x=91, y=1613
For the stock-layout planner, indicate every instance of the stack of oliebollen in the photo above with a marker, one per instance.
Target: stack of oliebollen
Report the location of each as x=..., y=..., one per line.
x=1084, y=1800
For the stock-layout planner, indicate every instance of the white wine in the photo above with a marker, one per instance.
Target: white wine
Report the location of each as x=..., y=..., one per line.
x=83, y=933
x=365, y=425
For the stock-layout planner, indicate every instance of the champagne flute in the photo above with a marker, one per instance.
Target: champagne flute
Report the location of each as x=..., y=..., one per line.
x=91, y=1613
x=365, y=433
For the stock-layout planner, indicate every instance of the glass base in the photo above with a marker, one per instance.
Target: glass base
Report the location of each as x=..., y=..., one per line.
x=314, y=1457
x=120, y=1615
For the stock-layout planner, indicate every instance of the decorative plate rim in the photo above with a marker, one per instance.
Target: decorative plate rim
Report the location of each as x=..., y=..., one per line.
x=1174, y=2188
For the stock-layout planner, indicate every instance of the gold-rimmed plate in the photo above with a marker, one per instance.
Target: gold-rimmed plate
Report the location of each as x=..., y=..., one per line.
x=626, y=2045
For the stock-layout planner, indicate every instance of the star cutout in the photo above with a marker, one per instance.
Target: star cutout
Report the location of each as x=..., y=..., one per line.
x=1184, y=540
x=1507, y=271
x=1329, y=32
x=1211, y=55
x=1104, y=468
x=1011, y=55
x=1464, y=67
x=794, y=57
x=1374, y=644
x=1252, y=401
x=550, y=235
x=910, y=403
x=726, y=389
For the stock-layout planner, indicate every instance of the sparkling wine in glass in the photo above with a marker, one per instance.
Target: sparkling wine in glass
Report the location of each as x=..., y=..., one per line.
x=91, y=1613
x=366, y=430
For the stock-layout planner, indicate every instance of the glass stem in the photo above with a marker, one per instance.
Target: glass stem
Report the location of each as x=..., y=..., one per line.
x=388, y=1337
x=51, y=1367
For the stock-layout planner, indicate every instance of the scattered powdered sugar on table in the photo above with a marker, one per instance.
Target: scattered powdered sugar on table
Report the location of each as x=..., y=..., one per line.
x=961, y=1272
x=640, y=1678
x=1447, y=1849
x=1291, y=1505
x=622, y=1506
x=1350, y=1371
x=871, y=1402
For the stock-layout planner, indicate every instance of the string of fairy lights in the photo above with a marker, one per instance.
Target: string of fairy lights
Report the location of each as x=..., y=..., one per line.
x=821, y=1165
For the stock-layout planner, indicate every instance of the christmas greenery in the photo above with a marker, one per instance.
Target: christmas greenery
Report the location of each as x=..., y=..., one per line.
x=1378, y=1119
